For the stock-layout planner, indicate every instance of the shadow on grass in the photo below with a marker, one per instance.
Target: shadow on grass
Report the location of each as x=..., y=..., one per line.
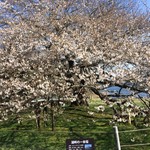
x=74, y=123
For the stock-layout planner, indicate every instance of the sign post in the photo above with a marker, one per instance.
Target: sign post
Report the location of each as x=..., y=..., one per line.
x=117, y=138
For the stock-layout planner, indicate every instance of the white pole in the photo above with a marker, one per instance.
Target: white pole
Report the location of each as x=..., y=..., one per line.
x=117, y=138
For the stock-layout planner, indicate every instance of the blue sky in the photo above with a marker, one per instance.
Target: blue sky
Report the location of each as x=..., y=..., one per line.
x=144, y=5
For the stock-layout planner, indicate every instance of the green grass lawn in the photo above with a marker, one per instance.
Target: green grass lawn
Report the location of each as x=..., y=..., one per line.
x=74, y=123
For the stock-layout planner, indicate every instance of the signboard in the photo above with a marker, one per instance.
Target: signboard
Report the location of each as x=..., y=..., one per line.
x=80, y=144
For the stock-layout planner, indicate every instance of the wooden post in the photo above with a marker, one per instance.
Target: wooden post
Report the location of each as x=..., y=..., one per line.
x=117, y=138
x=129, y=117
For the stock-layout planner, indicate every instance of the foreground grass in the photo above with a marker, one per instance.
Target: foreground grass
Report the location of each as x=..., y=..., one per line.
x=74, y=123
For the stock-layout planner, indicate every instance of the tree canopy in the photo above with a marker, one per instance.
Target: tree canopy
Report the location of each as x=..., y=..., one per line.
x=68, y=48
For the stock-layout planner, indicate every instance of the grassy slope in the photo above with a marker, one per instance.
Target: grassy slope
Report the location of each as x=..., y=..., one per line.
x=73, y=123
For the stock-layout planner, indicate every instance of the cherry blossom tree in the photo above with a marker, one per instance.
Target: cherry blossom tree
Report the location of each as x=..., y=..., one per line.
x=69, y=48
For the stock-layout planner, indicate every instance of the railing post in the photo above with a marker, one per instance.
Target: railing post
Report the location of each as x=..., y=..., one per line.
x=117, y=138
